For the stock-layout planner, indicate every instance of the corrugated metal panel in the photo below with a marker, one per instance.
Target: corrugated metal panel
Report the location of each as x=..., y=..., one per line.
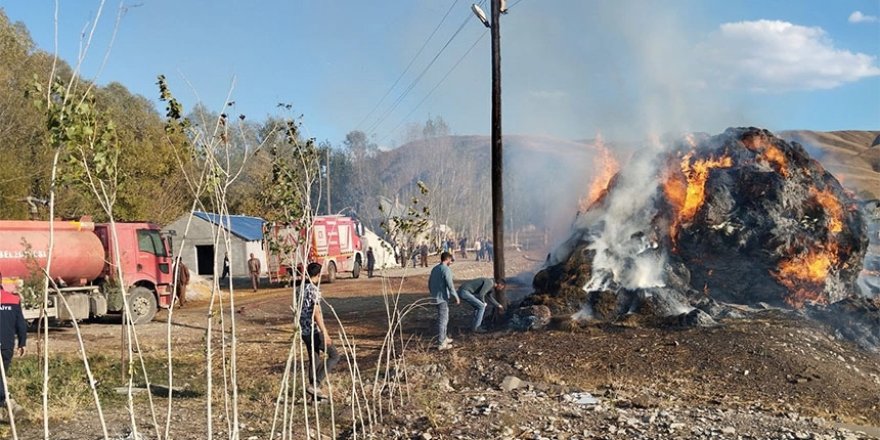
x=248, y=228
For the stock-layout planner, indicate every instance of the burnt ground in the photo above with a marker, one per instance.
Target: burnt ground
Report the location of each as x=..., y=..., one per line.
x=771, y=375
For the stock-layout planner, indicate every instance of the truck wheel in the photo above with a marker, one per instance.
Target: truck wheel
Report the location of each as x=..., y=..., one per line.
x=331, y=273
x=356, y=269
x=142, y=305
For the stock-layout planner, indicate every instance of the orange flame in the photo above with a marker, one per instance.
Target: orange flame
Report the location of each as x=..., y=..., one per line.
x=805, y=275
x=697, y=174
x=686, y=191
x=767, y=152
x=833, y=209
x=775, y=157
x=605, y=167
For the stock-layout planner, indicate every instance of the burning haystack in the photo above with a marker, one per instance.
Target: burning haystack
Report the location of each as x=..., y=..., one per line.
x=742, y=217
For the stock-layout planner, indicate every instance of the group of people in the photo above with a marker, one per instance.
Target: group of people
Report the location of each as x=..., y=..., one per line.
x=482, y=247
x=418, y=254
x=478, y=293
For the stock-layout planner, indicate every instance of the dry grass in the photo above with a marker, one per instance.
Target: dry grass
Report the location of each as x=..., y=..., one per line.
x=69, y=392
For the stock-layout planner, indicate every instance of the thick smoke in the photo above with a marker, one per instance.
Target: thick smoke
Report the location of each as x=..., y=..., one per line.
x=631, y=70
x=622, y=241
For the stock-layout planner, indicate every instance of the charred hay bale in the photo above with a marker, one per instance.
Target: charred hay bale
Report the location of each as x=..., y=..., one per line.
x=660, y=302
x=560, y=286
x=696, y=318
x=741, y=217
x=856, y=319
x=605, y=305
x=774, y=226
x=530, y=318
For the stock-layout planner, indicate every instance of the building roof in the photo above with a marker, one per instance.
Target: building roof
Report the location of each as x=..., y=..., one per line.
x=248, y=228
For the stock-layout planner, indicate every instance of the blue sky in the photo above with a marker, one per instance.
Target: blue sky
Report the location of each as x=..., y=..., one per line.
x=571, y=69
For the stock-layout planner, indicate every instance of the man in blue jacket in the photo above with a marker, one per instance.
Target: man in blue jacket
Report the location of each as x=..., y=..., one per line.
x=441, y=288
x=12, y=327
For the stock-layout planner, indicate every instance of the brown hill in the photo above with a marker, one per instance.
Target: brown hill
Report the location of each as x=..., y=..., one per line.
x=852, y=156
x=544, y=177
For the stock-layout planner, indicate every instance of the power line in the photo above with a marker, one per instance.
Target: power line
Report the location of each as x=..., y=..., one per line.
x=390, y=133
x=419, y=77
x=413, y=60
x=436, y=86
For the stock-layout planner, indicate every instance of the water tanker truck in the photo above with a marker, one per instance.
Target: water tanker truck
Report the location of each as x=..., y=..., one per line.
x=84, y=267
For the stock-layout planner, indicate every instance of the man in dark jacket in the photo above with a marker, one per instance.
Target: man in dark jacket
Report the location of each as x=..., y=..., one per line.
x=423, y=254
x=12, y=327
x=225, y=272
x=476, y=293
x=371, y=262
x=182, y=282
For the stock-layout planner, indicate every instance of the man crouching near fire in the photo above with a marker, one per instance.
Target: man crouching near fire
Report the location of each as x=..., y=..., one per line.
x=479, y=293
x=442, y=290
x=314, y=334
x=12, y=326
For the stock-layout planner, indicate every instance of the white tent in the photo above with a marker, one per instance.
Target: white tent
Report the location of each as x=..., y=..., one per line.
x=382, y=250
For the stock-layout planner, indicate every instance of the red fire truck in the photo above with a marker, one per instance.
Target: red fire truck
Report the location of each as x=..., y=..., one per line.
x=84, y=266
x=335, y=243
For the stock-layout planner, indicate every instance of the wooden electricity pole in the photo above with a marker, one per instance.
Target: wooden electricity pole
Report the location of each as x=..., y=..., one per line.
x=497, y=192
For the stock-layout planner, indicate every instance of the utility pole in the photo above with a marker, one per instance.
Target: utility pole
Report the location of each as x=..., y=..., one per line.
x=497, y=192
x=327, y=170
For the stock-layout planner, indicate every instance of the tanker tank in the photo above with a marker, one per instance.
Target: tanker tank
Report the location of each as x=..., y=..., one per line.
x=77, y=257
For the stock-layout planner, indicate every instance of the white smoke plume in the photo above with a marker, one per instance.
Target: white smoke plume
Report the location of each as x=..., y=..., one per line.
x=621, y=231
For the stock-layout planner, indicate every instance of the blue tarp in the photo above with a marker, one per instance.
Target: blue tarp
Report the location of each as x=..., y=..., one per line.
x=248, y=228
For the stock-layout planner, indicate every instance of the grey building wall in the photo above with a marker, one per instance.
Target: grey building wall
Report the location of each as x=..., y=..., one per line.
x=200, y=234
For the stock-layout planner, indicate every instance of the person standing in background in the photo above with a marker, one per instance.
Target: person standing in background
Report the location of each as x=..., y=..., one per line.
x=423, y=254
x=371, y=262
x=182, y=282
x=478, y=250
x=225, y=272
x=254, y=271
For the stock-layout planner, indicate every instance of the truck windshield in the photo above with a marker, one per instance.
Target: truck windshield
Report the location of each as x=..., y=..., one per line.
x=150, y=241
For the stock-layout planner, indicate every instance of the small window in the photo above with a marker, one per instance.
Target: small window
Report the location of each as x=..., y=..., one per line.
x=150, y=241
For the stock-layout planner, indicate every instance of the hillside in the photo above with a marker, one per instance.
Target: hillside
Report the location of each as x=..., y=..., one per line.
x=544, y=178
x=849, y=155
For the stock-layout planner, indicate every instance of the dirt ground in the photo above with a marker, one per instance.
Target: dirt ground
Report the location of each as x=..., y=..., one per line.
x=770, y=375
